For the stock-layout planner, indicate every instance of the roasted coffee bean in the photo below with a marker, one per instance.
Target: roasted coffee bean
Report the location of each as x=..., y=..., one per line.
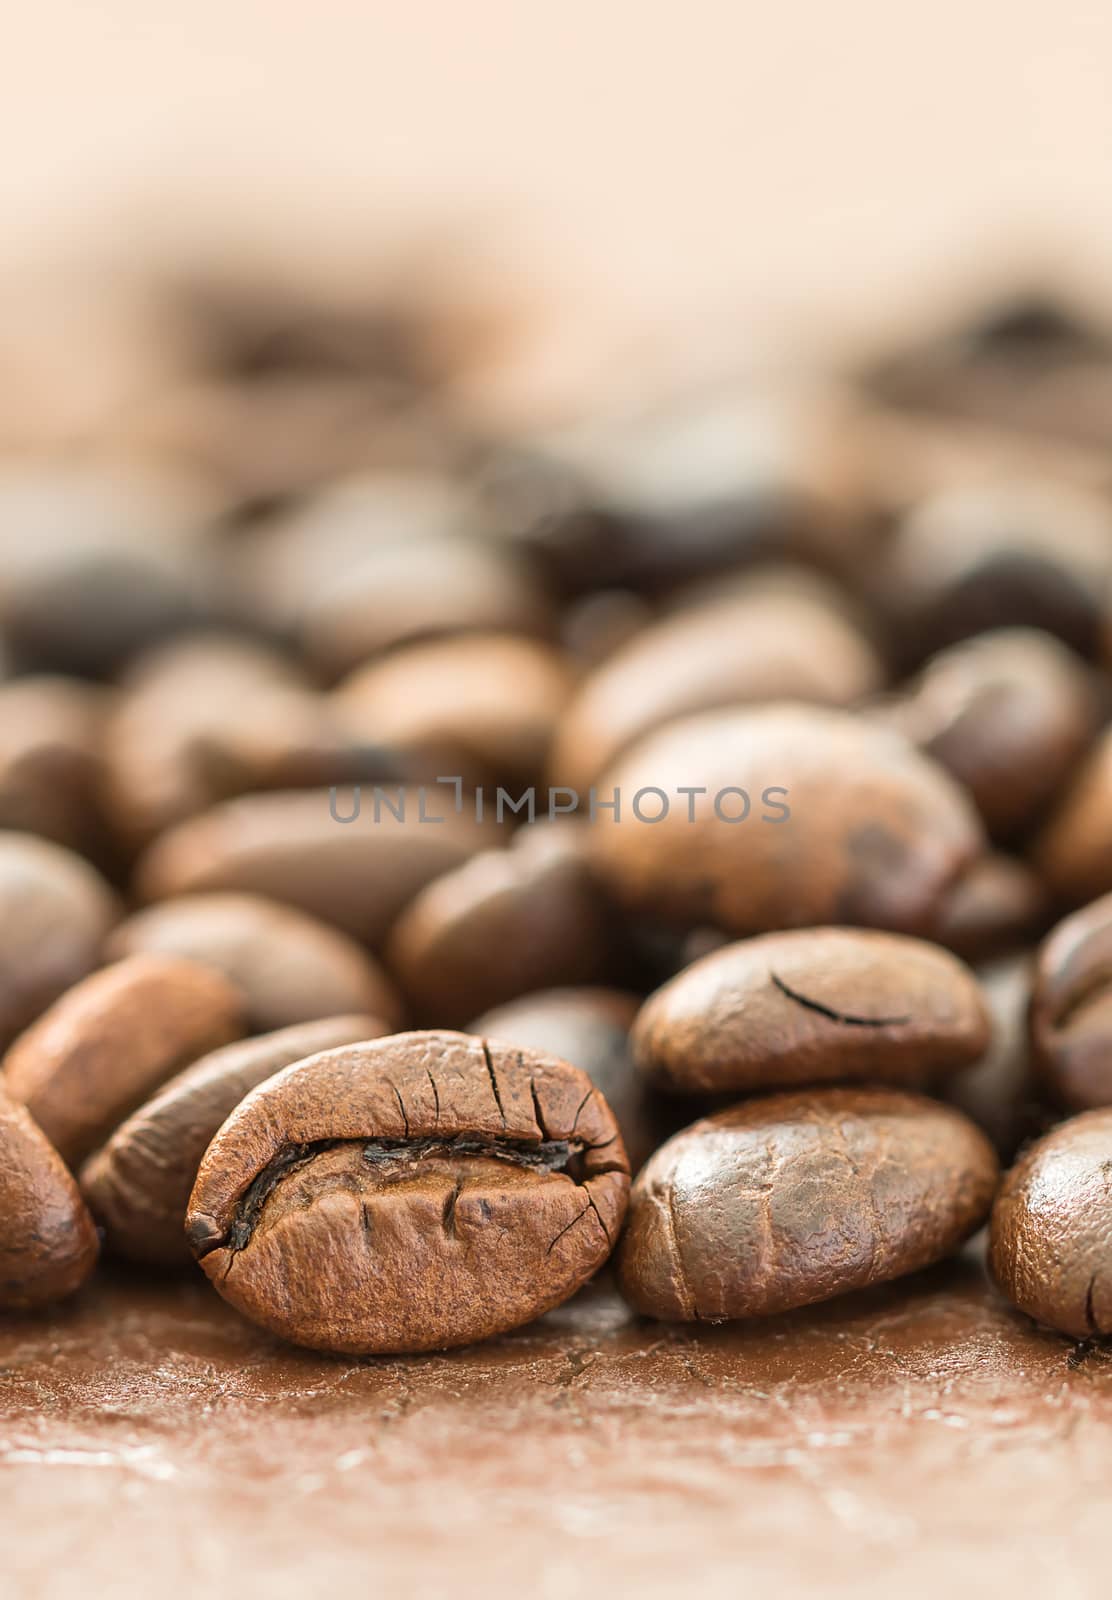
x=1001, y=1092
x=51, y=761
x=996, y=906
x=110, y=1041
x=780, y=635
x=55, y=911
x=479, y=707
x=801, y=817
x=590, y=1028
x=1071, y=1008
x=138, y=1183
x=1073, y=850
x=48, y=1245
x=505, y=923
x=1048, y=1244
x=816, y=1005
x=415, y=1193
x=357, y=874
x=289, y=966
x=790, y=1199
x=1009, y=714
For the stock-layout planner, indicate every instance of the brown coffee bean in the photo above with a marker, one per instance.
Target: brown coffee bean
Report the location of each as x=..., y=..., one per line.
x=816, y=1005
x=1009, y=714
x=1073, y=850
x=48, y=1245
x=51, y=762
x=55, y=911
x=1048, y=1244
x=138, y=1183
x=1001, y=1092
x=778, y=635
x=590, y=1028
x=289, y=966
x=476, y=707
x=808, y=817
x=1071, y=1008
x=997, y=905
x=110, y=1041
x=503, y=924
x=289, y=846
x=411, y=1194
x=790, y=1199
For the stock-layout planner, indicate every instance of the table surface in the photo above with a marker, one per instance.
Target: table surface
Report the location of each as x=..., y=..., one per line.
x=155, y=1444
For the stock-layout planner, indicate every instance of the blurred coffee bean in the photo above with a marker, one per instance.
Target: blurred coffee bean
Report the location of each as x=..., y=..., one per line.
x=477, y=706
x=51, y=760
x=358, y=875
x=596, y=626
x=55, y=913
x=1071, y=1008
x=1009, y=714
x=801, y=816
x=1001, y=1093
x=505, y=923
x=996, y=905
x=1073, y=850
x=778, y=635
x=590, y=1028
x=290, y=967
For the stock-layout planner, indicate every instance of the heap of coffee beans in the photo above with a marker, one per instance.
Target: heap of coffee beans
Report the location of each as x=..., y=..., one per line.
x=434, y=863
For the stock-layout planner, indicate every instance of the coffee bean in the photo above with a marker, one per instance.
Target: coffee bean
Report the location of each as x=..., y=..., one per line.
x=138, y=1183
x=48, y=1245
x=110, y=1041
x=1048, y=1244
x=505, y=923
x=51, y=761
x=997, y=905
x=415, y=1193
x=1073, y=850
x=1071, y=1008
x=779, y=635
x=289, y=966
x=55, y=911
x=288, y=846
x=816, y=1005
x=1001, y=1092
x=874, y=833
x=790, y=1199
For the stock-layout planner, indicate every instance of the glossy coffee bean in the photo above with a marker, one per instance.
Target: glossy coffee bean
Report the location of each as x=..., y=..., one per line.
x=289, y=846
x=55, y=911
x=51, y=760
x=1073, y=850
x=138, y=1183
x=415, y=1193
x=48, y=1245
x=808, y=817
x=1001, y=1092
x=505, y=923
x=791, y=1199
x=1071, y=1008
x=774, y=636
x=815, y=1005
x=110, y=1041
x=1048, y=1244
x=290, y=967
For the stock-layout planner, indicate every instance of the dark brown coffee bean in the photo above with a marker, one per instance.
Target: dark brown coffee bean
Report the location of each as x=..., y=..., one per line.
x=48, y=1245
x=806, y=817
x=138, y=1183
x=289, y=966
x=1048, y=1245
x=356, y=874
x=1009, y=714
x=1073, y=850
x=1001, y=1092
x=505, y=923
x=111, y=1041
x=415, y=1193
x=55, y=911
x=51, y=762
x=997, y=905
x=1071, y=1008
x=816, y=1005
x=590, y=1028
x=781, y=635
x=790, y=1199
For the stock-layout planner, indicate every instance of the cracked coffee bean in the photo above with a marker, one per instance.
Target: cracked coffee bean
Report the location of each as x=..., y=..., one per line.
x=864, y=829
x=290, y=966
x=816, y=1005
x=1071, y=1008
x=794, y=1198
x=110, y=1041
x=48, y=1245
x=138, y=1183
x=416, y=1193
x=1048, y=1244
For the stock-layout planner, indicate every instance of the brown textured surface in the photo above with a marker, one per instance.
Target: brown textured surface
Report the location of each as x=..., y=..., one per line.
x=48, y=1245
x=154, y=1442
